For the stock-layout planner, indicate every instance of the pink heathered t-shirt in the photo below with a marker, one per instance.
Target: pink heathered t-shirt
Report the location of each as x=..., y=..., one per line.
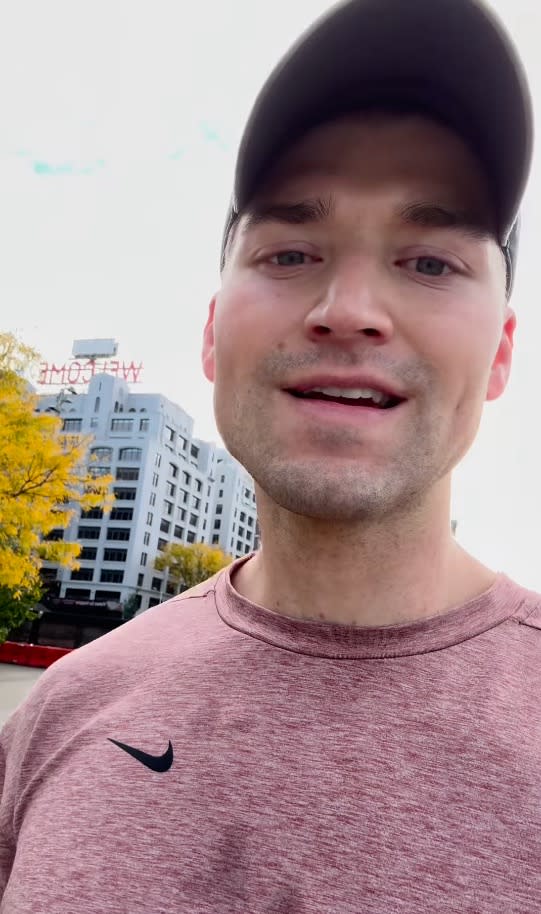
x=213, y=757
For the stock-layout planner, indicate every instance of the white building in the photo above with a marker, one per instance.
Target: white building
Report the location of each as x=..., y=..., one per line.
x=169, y=487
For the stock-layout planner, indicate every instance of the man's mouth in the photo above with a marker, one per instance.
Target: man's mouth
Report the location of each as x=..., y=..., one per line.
x=354, y=396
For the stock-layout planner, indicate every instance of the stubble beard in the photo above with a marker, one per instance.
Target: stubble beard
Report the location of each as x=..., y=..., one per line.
x=335, y=489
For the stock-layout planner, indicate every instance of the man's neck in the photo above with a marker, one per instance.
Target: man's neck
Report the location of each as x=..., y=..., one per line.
x=394, y=573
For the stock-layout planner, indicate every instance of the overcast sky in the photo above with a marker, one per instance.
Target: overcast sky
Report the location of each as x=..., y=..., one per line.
x=118, y=130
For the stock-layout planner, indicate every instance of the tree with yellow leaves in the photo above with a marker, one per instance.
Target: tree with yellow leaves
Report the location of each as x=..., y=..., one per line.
x=191, y=564
x=44, y=478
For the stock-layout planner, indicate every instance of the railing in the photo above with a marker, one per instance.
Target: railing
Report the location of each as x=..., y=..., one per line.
x=35, y=655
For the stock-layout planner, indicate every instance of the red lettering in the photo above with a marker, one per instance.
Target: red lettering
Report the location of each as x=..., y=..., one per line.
x=85, y=379
x=73, y=378
x=132, y=371
x=56, y=370
x=75, y=372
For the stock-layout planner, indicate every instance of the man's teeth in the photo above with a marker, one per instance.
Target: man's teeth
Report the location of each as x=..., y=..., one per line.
x=352, y=393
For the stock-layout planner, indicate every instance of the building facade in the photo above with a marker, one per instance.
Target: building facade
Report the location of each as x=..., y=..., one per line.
x=169, y=488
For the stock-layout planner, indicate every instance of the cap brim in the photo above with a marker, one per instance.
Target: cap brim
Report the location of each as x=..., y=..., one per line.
x=451, y=58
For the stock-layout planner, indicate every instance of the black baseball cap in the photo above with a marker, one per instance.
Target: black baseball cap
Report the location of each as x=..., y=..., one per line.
x=449, y=59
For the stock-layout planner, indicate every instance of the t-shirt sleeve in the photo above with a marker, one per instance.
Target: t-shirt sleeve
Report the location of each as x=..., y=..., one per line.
x=19, y=734
x=7, y=843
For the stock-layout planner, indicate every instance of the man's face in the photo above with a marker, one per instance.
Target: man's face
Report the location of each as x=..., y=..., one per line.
x=366, y=262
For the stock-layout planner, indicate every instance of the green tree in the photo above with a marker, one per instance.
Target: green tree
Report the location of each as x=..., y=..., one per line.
x=190, y=564
x=130, y=607
x=14, y=610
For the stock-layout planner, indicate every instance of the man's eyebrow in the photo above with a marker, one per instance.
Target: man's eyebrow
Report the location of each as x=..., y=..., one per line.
x=433, y=215
x=315, y=209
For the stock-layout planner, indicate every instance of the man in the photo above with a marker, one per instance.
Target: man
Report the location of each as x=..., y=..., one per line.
x=347, y=721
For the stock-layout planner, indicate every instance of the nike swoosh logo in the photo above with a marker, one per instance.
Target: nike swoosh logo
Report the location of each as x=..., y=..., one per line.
x=154, y=762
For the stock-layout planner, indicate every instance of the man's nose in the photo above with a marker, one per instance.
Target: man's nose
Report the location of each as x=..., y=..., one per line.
x=352, y=302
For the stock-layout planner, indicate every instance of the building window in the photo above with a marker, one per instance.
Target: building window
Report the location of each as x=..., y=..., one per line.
x=198, y=485
x=181, y=513
x=146, y=538
x=193, y=520
x=102, y=453
x=88, y=533
x=241, y=531
x=118, y=533
x=242, y=517
x=215, y=539
x=72, y=425
x=217, y=524
x=112, y=596
x=247, y=494
x=170, y=489
x=155, y=479
x=115, y=555
x=219, y=509
x=82, y=574
x=186, y=478
x=246, y=549
x=165, y=525
x=143, y=425
x=190, y=537
x=249, y=535
x=178, y=532
x=150, y=518
x=88, y=553
x=130, y=453
x=156, y=584
x=92, y=514
x=97, y=405
x=152, y=499
x=173, y=469
x=121, y=425
x=122, y=494
x=168, y=507
x=184, y=494
x=93, y=424
x=239, y=546
x=158, y=460
x=222, y=478
x=111, y=576
x=250, y=521
x=194, y=451
x=131, y=473
x=169, y=434
x=162, y=544
x=77, y=593
x=196, y=503
x=221, y=493
x=121, y=514
x=143, y=558
x=140, y=579
x=153, y=602
x=182, y=442
x=96, y=471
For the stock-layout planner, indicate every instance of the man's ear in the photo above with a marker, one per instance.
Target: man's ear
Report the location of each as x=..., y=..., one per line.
x=207, y=356
x=501, y=366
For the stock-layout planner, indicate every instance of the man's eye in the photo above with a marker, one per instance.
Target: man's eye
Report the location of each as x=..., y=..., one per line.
x=429, y=266
x=290, y=258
